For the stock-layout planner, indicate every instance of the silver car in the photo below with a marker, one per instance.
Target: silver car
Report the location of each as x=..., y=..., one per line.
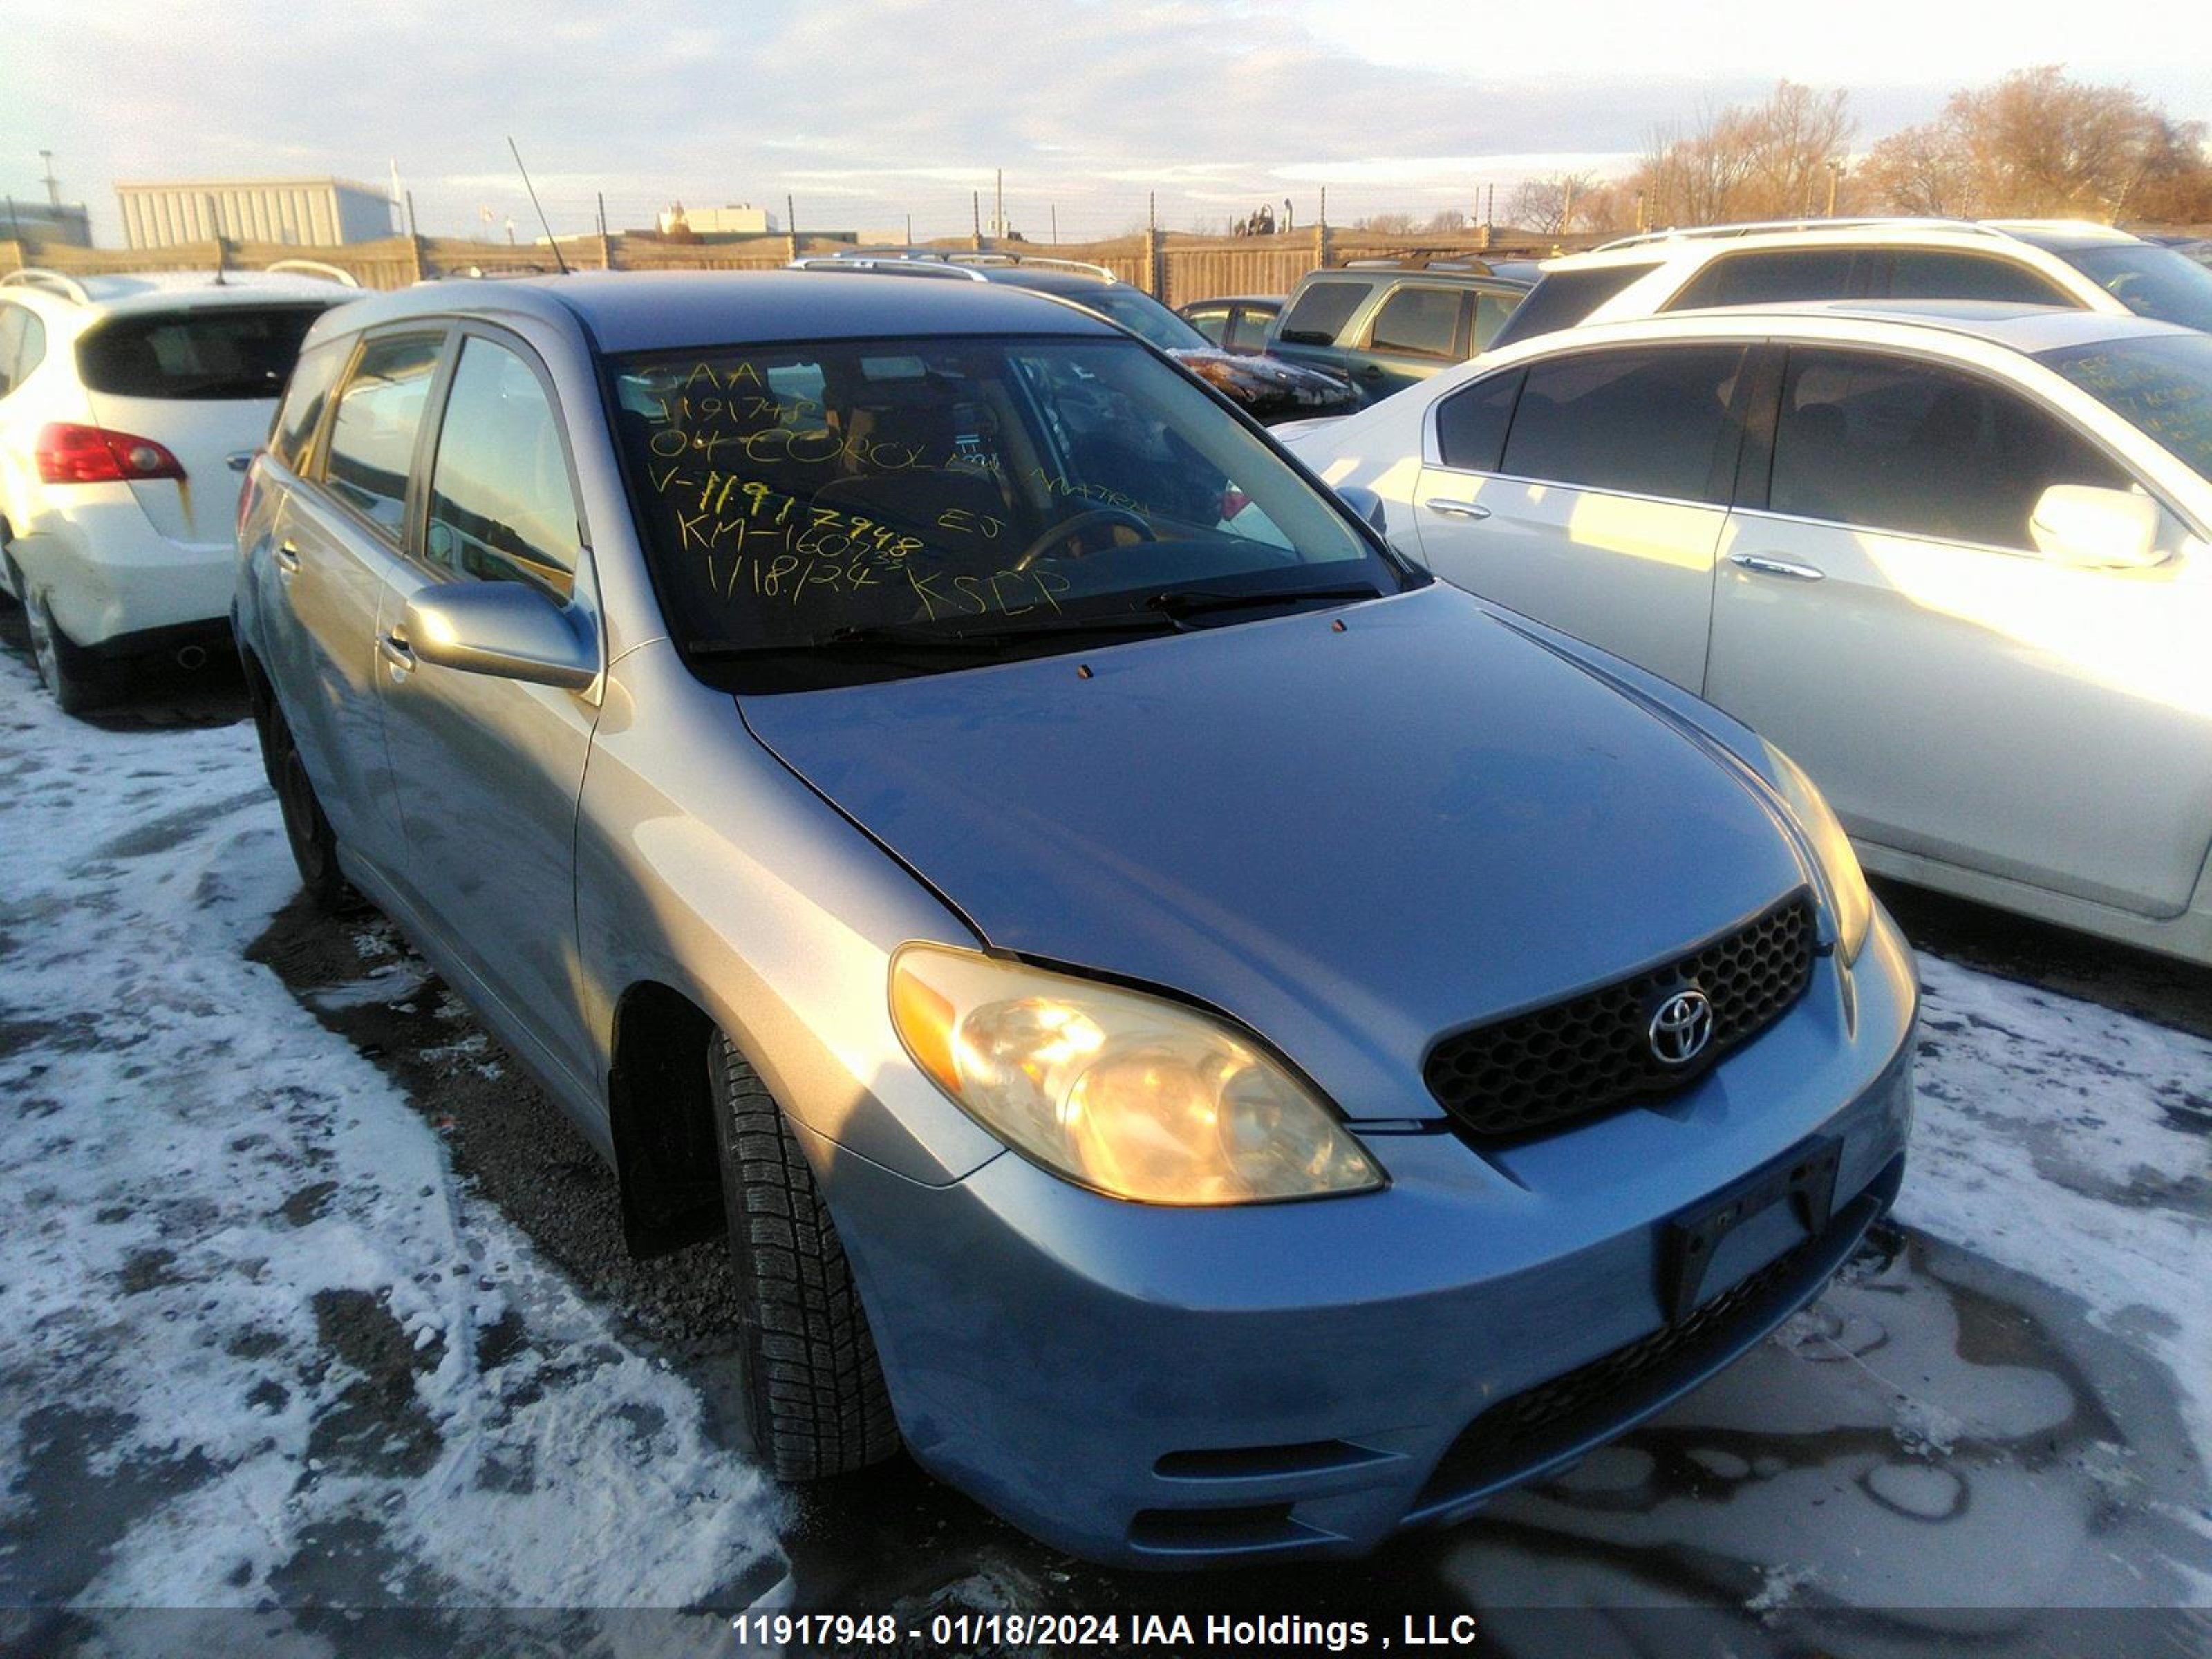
x=1221, y=1044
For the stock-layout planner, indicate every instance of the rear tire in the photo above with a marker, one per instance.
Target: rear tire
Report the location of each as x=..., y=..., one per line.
x=815, y=1394
x=78, y=678
x=314, y=844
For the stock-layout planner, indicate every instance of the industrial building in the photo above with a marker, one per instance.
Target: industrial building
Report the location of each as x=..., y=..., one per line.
x=63, y=222
x=310, y=212
x=738, y=219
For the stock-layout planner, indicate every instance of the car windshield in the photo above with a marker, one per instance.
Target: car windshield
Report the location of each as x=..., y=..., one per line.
x=2161, y=385
x=2151, y=282
x=1143, y=317
x=816, y=513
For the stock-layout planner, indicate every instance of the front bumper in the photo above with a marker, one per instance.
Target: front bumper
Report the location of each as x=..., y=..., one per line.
x=1171, y=1387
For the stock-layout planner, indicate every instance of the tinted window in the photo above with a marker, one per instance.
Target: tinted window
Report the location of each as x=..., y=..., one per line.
x=2151, y=282
x=1922, y=273
x=1316, y=315
x=1471, y=424
x=1647, y=422
x=1141, y=314
x=1752, y=279
x=1211, y=321
x=16, y=326
x=1421, y=322
x=1918, y=450
x=373, y=436
x=229, y=352
x=301, y=411
x=501, y=506
x=1491, y=311
x=1562, y=298
x=2162, y=385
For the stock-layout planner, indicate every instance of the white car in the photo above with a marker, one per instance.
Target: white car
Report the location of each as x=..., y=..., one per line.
x=1954, y=557
x=2050, y=262
x=130, y=408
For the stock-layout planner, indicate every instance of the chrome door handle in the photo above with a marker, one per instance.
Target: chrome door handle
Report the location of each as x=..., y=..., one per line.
x=1767, y=567
x=392, y=648
x=287, y=559
x=1456, y=509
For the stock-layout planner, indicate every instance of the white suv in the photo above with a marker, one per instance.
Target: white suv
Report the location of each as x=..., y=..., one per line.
x=2047, y=262
x=130, y=408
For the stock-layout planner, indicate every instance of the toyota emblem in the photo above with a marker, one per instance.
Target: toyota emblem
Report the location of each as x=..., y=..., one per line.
x=1681, y=1027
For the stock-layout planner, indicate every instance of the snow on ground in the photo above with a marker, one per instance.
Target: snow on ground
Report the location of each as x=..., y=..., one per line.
x=252, y=1331
x=262, y=1348
x=2071, y=1143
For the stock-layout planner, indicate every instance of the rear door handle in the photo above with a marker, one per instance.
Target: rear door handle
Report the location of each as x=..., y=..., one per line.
x=1770, y=567
x=393, y=649
x=1371, y=371
x=1452, y=509
x=287, y=559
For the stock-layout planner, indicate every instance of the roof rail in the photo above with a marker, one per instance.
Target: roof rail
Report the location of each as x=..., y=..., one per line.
x=332, y=273
x=51, y=280
x=1466, y=262
x=997, y=255
x=1760, y=227
x=896, y=265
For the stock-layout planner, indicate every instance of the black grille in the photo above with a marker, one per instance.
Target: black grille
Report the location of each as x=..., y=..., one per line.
x=1581, y=1057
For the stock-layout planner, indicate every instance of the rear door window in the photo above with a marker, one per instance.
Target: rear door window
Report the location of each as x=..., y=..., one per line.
x=1490, y=311
x=373, y=434
x=1317, y=315
x=1211, y=321
x=1247, y=331
x=210, y=353
x=1889, y=444
x=500, y=506
x=1417, y=322
x=1562, y=298
x=1645, y=422
x=1771, y=278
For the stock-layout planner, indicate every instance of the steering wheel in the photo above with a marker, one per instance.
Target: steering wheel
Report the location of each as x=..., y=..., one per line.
x=1070, y=532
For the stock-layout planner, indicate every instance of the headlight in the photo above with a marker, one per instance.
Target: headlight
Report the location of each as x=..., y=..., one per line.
x=1131, y=1093
x=1847, y=888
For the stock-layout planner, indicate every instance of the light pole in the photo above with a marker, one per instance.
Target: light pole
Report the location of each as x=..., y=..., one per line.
x=1835, y=173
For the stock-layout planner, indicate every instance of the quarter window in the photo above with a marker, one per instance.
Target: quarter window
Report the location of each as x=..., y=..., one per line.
x=1491, y=311
x=301, y=411
x=1644, y=422
x=500, y=506
x=1920, y=451
x=23, y=345
x=1315, y=315
x=1420, y=322
x=1471, y=424
x=372, y=437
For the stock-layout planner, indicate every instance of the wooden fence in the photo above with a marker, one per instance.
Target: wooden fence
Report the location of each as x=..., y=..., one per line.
x=1170, y=265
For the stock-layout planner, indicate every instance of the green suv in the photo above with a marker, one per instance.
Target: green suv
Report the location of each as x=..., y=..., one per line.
x=1388, y=324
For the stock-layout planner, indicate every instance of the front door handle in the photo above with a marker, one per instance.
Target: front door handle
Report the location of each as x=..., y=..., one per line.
x=287, y=559
x=393, y=649
x=1452, y=509
x=1770, y=567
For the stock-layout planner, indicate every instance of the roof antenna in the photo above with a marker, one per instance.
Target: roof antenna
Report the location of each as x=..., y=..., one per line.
x=551, y=240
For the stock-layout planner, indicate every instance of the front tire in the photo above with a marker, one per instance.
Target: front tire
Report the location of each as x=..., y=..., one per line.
x=815, y=1394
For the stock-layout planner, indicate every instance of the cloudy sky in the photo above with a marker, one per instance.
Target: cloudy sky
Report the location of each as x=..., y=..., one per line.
x=867, y=112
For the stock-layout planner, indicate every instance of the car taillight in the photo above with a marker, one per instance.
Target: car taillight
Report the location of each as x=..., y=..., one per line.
x=69, y=454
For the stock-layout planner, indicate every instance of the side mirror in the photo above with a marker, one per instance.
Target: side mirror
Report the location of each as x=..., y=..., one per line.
x=1366, y=504
x=2084, y=525
x=508, y=629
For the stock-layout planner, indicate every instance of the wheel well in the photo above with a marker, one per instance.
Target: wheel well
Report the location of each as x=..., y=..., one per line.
x=661, y=1115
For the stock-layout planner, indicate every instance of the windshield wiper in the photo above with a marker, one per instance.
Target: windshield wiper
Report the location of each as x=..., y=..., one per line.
x=1179, y=602
x=939, y=636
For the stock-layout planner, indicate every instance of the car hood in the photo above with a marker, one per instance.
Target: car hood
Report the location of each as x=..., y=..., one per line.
x=1271, y=389
x=1350, y=841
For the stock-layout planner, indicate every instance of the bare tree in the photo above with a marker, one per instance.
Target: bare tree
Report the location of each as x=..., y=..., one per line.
x=1447, y=221
x=1749, y=160
x=1387, y=224
x=1551, y=205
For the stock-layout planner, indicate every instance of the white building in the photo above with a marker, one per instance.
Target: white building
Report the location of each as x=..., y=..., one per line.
x=738, y=219
x=306, y=212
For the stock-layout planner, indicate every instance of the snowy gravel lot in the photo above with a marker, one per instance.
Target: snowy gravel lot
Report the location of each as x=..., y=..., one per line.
x=308, y=1301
